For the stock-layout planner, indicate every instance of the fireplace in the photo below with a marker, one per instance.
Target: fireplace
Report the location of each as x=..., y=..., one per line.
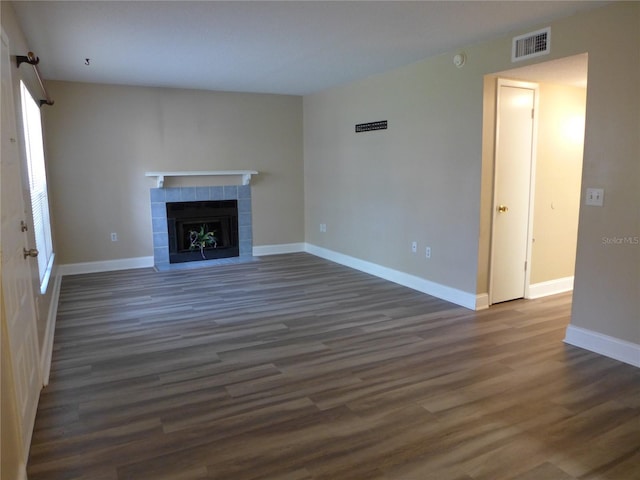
x=223, y=210
x=203, y=230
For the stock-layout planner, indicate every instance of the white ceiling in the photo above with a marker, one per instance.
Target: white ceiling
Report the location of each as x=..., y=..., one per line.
x=286, y=47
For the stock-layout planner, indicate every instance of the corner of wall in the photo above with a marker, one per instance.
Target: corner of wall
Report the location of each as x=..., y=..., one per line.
x=482, y=301
x=443, y=292
x=606, y=345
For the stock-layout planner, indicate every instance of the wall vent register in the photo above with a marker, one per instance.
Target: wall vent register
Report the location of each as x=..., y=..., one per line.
x=532, y=44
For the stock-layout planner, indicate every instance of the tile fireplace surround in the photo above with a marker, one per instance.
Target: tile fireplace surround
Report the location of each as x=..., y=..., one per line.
x=159, y=199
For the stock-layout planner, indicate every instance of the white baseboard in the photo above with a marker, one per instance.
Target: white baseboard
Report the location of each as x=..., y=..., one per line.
x=550, y=287
x=105, y=266
x=482, y=301
x=611, y=347
x=261, y=250
x=453, y=295
x=47, y=347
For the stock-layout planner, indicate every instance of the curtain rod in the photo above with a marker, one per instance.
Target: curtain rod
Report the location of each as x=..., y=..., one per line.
x=32, y=60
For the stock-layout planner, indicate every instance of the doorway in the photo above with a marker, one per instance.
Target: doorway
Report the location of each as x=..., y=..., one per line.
x=555, y=178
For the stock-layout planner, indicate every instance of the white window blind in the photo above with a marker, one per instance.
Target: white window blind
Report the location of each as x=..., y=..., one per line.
x=32, y=125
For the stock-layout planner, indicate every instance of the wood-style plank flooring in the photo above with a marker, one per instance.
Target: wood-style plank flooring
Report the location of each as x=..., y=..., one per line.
x=294, y=368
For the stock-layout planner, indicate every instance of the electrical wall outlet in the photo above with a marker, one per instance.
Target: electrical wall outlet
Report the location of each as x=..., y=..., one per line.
x=414, y=247
x=427, y=252
x=114, y=237
x=323, y=227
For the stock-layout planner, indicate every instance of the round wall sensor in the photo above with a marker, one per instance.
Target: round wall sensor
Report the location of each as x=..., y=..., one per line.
x=459, y=59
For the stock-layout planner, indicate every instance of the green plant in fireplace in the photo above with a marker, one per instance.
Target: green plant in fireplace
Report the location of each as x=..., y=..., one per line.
x=202, y=239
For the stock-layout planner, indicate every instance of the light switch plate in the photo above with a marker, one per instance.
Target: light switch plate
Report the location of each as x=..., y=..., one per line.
x=595, y=197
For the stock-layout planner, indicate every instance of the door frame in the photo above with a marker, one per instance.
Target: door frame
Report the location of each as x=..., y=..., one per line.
x=532, y=179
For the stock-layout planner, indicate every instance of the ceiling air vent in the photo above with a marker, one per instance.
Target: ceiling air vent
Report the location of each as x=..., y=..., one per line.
x=531, y=45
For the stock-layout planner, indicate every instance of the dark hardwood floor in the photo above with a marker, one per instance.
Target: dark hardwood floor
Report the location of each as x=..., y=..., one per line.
x=295, y=368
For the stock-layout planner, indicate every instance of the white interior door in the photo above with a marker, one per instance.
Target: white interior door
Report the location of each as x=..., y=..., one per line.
x=512, y=189
x=18, y=299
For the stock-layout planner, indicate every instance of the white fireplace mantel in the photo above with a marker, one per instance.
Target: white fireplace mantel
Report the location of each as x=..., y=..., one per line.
x=246, y=175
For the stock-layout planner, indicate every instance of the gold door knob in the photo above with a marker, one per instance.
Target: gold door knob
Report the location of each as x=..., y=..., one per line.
x=32, y=252
x=502, y=208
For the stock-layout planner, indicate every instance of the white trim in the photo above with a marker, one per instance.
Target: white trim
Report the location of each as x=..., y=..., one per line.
x=47, y=275
x=550, y=287
x=261, y=250
x=105, y=266
x=482, y=301
x=453, y=295
x=47, y=347
x=246, y=175
x=22, y=472
x=602, y=344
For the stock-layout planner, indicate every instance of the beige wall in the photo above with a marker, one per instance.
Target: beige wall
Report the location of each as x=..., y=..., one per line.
x=486, y=182
x=422, y=179
x=102, y=139
x=607, y=283
x=558, y=174
x=379, y=191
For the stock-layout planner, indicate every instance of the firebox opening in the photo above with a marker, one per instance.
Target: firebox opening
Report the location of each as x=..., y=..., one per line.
x=219, y=217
